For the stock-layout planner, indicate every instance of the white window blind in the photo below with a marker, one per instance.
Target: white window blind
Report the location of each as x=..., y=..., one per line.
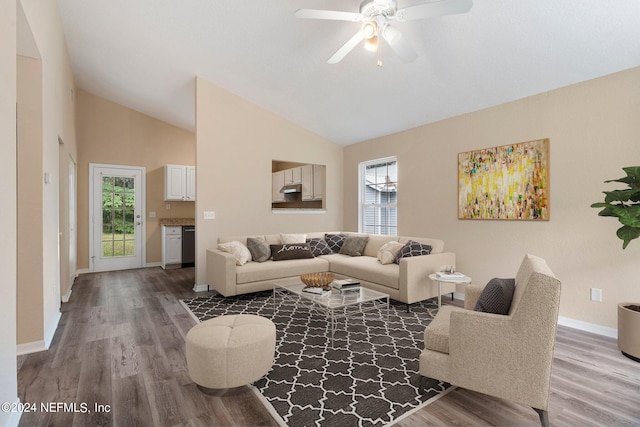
x=379, y=196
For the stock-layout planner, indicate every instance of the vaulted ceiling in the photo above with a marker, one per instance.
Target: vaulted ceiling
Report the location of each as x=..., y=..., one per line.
x=145, y=54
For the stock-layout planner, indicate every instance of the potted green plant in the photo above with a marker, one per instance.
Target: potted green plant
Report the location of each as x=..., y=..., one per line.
x=625, y=205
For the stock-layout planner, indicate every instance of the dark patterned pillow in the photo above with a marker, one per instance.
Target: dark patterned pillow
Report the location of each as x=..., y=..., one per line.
x=412, y=248
x=319, y=246
x=354, y=245
x=496, y=296
x=290, y=251
x=259, y=248
x=335, y=241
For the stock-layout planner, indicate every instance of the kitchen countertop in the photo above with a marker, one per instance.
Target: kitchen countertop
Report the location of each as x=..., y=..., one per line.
x=177, y=221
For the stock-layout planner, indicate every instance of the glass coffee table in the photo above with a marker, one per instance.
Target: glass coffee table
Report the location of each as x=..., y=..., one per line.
x=335, y=305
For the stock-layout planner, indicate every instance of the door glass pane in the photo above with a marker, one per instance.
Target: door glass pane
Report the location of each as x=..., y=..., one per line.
x=118, y=216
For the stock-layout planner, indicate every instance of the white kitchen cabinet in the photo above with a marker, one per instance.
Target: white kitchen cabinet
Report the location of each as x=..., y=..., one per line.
x=171, y=246
x=179, y=183
x=313, y=182
x=293, y=176
x=277, y=182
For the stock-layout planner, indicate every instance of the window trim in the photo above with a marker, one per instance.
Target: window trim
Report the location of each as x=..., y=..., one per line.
x=362, y=166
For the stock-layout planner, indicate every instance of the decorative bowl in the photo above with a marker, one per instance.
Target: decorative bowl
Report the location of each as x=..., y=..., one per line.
x=317, y=280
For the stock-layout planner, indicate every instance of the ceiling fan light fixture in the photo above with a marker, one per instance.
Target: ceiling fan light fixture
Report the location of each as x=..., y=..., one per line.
x=371, y=44
x=370, y=29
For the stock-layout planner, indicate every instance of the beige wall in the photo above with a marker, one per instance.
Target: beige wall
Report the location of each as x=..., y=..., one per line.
x=30, y=225
x=109, y=133
x=58, y=123
x=236, y=142
x=594, y=131
x=8, y=259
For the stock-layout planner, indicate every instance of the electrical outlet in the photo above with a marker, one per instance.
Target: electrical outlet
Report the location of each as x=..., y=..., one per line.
x=167, y=206
x=209, y=215
x=596, y=294
x=152, y=214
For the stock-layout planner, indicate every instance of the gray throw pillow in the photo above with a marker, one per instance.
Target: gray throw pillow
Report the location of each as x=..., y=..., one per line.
x=319, y=246
x=290, y=251
x=259, y=248
x=412, y=248
x=496, y=296
x=354, y=245
x=335, y=241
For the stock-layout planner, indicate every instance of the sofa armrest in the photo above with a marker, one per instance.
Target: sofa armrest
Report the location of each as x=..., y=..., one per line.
x=221, y=272
x=415, y=284
x=471, y=295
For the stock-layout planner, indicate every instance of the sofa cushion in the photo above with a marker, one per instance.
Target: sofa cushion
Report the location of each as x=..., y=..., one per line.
x=259, y=248
x=238, y=250
x=375, y=242
x=319, y=246
x=496, y=296
x=293, y=238
x=389, y=252
x=413, y=248
x=255, y=272
x=335, y=241
x=354, y=245
x=366, y=268
x=436, y=334
x=290, y=251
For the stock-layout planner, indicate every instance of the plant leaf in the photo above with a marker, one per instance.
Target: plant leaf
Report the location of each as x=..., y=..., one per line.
x=627, y=234
x=622, y=195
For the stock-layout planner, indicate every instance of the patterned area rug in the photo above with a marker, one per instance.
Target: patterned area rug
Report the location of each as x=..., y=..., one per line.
x=368, y=378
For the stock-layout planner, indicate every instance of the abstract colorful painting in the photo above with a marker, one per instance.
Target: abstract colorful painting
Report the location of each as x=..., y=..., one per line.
x=506, y=182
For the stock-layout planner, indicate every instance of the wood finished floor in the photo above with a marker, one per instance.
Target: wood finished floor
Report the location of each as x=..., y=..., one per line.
x=120, y=342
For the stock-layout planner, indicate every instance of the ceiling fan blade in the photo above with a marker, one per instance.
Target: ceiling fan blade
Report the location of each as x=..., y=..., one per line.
x=346, y=48
x=437, y=8
x=333, y=15
x=399, y=44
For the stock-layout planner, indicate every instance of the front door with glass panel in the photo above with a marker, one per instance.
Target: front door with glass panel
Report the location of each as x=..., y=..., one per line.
x=116, y=213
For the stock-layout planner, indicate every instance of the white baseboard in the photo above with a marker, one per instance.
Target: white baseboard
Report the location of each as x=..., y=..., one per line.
x=82, y=271
x=588, y=327
x=153, y=264
x=200, y=288
x=30, y=347
x=51, y=330
x=457, y=295
x=66, y=296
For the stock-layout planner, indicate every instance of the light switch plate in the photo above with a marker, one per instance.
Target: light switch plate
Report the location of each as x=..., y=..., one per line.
x=209, y=215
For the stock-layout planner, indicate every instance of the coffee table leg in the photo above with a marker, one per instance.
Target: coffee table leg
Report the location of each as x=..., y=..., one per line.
x=439, y=293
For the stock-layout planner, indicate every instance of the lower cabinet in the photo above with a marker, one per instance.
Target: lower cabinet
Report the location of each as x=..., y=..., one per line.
x=171, y=246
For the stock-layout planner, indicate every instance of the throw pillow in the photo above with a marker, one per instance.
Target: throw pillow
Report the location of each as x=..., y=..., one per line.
x=293, y=238
x=354, y=245
x=319, y=246
x=291, y=251
x=412, y=248
x=238, y=250
x=388, y=253
x=259, y=248
x=335, y=241
x=496, y=296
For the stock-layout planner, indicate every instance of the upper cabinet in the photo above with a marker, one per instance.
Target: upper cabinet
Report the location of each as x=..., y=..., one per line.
x=313, y=182
x=293, y=176
x=179, y=183
x=277, y=182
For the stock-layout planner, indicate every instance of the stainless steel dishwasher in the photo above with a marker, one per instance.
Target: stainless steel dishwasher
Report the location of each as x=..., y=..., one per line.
x=188, y=245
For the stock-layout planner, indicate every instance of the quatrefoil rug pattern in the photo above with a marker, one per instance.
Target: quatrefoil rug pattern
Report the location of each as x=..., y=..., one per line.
x=368, y=378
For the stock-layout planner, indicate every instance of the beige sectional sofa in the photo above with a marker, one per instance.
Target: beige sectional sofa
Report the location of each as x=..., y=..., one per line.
x=407, y=281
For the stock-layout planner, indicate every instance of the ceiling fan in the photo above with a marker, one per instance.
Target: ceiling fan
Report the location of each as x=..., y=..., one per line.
x=375, y=16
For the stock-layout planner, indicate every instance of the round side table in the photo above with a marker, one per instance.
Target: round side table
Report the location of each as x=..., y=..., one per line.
x=456, y=278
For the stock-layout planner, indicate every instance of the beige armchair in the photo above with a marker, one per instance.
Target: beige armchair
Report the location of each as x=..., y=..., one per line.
x=506, y=356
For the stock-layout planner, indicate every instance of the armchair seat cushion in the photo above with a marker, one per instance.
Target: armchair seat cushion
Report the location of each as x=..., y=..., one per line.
x=436, y=335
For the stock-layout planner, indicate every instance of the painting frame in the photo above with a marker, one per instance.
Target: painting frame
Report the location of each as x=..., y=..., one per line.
x=506, y=182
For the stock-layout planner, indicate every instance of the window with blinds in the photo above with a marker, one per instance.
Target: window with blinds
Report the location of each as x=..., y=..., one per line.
x=379, y=196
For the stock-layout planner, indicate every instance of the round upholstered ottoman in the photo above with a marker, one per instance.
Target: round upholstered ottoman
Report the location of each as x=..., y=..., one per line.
x=230, y=351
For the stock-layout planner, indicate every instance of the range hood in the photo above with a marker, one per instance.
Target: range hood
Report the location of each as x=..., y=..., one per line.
x=290, y=189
